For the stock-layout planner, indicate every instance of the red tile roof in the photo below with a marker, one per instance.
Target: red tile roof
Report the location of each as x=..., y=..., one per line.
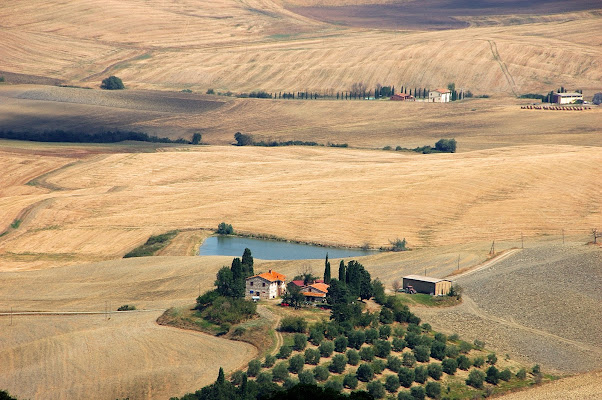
x=443, y=91
x=322, y=287
x=271, y=276
x=310, y=294
x=299, y=283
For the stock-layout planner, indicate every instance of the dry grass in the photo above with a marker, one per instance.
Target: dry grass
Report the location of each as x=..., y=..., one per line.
x=109, y=204
x=258, y=44
x=580, y=387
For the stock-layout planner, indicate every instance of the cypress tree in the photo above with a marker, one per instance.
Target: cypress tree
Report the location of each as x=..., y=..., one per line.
x=220, y=377
x=342, y=273
x=247, y=263
x=327, y=270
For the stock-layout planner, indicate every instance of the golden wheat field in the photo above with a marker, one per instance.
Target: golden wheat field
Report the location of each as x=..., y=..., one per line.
x=104, y=205
x=259, y=44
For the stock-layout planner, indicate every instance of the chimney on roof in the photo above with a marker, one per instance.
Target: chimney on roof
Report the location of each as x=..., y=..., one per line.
x=270, y=271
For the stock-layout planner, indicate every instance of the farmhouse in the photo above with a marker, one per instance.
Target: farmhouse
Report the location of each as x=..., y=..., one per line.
x=267, y=285
x=402, y=97
x=425, y=284
x=566, y=98
x=439, y=96
x=315, y=292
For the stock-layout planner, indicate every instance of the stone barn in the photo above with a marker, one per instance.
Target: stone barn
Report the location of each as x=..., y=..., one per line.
x=428, y=285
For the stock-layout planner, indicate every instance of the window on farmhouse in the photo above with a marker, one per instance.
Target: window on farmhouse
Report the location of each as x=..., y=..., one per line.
x=264, y=284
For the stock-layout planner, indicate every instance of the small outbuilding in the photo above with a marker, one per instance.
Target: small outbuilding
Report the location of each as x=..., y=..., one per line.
x=428, y=285
x=402, y=97
x=439, y=96
x=567, y=98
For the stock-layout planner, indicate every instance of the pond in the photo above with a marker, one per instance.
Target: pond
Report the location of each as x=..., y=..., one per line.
x=273, y=250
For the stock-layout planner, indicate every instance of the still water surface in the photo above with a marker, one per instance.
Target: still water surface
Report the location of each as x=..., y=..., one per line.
x=273, y=250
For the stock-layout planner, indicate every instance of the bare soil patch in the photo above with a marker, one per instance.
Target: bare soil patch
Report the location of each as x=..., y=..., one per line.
x=433, y=14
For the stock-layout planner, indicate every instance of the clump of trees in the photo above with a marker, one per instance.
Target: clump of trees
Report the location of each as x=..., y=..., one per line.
x=224, y=229
x=112, y=83
x=59, y=135
x=225, y=305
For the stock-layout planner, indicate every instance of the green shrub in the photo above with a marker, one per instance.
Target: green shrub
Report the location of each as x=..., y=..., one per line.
x=210, y=91
x=371, y=335
x=506, y=375
x=418, y=392
x=475, y=378
x=493, y=375
x=412, y=339
x=236, y=378
x=126, y=307
x=405, y=395
x=340, y=344
x=399, y=332
x=385, y=330
x=479, y=344
x=196, y=138
x=399, y=244
x=326, y=348
x=463, y=362
x=243, y=139
x=408, y=360
x=299, y=341
x=296, y=363
x=378, y=366
x=112, y=83
x=2, y=80
x=435, y=371
x=465, y=347
x=289, y=383
x=398, y=344
x=356, y=339
x=269, y=361
x=438, y=350
x=394, y=363
x=367, y=353
x=350, y=381
x=293, y=324
x=365, y=373
x=536, y=369
x=422, y=353
x=406, y=376
x=392, y=383
x=254, y=367
x=376, y=389
x=338, y=363
x=321, y=373
x=478, y=362
x=334, y=384
x=420, y=374
x=446, y=145
x=382, y=348
x=521, y=374
x=284, y=352
x=491, y=358
x=353, y=357
x=449, y=366
x=427, y=328
x=316, y=336
x=312, y=357
x=433, y=390
x=224, y=229
x=452, y=351
x=280, y=372
x=264, y=378
x=454, y=337
x=307, y=378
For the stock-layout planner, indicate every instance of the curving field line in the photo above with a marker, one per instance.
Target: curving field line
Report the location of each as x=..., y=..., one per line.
x=487, y=264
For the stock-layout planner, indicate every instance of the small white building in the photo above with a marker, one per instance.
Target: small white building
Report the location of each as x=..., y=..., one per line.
x=567, y=98
x=267, y=285
x=439, y=96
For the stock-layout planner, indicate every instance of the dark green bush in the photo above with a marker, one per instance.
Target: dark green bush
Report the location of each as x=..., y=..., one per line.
x=290, y=382
x=452, y=351
x=420, y=374
x=269, y=361
x=340, y=344
x=299, y=341
x=385, y=330
x=392, y=383
x=365, y=373
x=422, y=353
x=112, y=83
x=312, y=357
x=493, y=375
x=376, y=389
x=521, y=374
x=293, y=324
x=394, y=363
x=406, y=376
x=433, y=390
x=264, y=378
x=254, y=367
x=506, y=375
x=126, y=307
x=307, y=378
x=280, y=372
x=296, y=363
x=326, y=348
x=449, y=366
x=353, y=357
x=284, y=352
x=398, y=344
x=225, y=229
x=418, y=392
x=316, y=336
x=408, y=360
x=438, y=350
x=367, y=353
x=491, y=358
x=475, y=378
x=243, y=139
x=321, y=373
x=435, y=371
x=478, y=362
x=350, y=381
x=446, y=145
x=412, y=339
x=405, y=395
x=463, y=362
x=378, y=366
x=356, y=339
x=382, y=348
x=371, y=335
x=338, y=363
x=334, y=384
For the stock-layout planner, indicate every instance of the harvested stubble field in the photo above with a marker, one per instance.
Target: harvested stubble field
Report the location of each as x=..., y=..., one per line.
x=580, y=387
x=259, y=44
x=540, y=305
x=105, y=205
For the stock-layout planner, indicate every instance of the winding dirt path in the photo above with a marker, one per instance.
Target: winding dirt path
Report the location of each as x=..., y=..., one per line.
x=266, y=313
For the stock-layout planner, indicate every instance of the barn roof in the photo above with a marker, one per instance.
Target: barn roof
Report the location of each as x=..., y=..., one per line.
x=570, y=94
x=322, y=287
x=425, y=278
x=311, y=294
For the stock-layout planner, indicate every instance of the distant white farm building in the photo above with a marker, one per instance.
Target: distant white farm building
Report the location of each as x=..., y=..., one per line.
x=315, y=292
x=428, y=285
x=567, y=98
x=439, y=96
x=267, y=285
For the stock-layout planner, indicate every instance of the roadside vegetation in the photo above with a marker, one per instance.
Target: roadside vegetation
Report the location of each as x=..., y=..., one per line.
x=112, y=83
x=59, y=135
x=152, y=245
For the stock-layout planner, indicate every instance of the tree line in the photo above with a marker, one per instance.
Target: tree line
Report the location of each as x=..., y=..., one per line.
x=59, y=135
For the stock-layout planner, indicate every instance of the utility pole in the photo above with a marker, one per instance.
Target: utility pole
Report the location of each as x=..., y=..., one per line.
x=106, y=311
x=522, y=242
x=492, y=251
x=562, y=236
